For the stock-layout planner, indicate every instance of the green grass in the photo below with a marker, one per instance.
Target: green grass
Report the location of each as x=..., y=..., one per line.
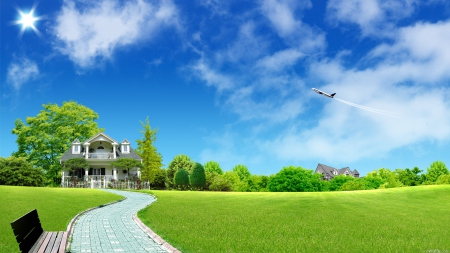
x=410, y=219
x=55, y=206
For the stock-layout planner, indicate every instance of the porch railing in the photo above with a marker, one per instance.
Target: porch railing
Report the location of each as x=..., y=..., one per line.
x=101, y=156
x=103, y=182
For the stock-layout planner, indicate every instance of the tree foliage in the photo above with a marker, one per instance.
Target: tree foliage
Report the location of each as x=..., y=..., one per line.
x=45, y=137
x=221, y=183
x=197, y=178
x=18, y=171
x=435, y=170
x=443, y=179
x=127, y=163
x=409, y=177
x=151, y=158
x=353, y=185
x=76, y=163
x=295, y=179
x=178, y=162
x=213, y=166
x=181, y=179
x=159, y=182
x=242, y=171
x=339, y=180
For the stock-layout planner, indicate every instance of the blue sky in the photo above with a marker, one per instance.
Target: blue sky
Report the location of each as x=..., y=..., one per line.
x=231, y=81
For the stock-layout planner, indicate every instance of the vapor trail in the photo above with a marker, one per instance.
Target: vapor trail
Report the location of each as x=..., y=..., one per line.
x=370, y=109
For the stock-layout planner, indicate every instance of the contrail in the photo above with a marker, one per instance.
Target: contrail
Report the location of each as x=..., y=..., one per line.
x=386, y=113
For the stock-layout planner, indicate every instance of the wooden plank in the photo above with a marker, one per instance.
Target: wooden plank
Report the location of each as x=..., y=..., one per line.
x=62, y=246
x=38, y=243
x=55, y=246
x=45, y=243
x=51, y=242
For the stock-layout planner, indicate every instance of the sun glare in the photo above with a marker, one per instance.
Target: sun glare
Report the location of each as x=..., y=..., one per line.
x=27, y=20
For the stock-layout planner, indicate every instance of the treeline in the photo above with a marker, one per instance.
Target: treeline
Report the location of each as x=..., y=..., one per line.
x=291, y=178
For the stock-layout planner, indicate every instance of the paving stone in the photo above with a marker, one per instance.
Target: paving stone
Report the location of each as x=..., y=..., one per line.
x=111, y=228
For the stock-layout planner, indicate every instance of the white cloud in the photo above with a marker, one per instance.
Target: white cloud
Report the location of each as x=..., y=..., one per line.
x=289, y=26
x=21, y=71
x=374, y=17
x=280, y=60
x=90, y=33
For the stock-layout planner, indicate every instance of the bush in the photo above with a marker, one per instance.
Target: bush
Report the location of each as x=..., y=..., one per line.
x=178, y=162
x=443, y=179
x=436, y=169
x=337, y=182
x=181, y=179
x=159, y=180
x=197, y=178
x=18, y=171
x=220, y=183
x=353, y=185
x=295, y=179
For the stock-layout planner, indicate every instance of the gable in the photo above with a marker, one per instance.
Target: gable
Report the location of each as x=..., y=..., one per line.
x=100, y=137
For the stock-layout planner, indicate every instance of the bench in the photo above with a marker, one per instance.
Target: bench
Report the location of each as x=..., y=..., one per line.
x=32, y=238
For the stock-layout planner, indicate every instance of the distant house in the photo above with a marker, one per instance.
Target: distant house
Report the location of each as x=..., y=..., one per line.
x=329, y=173
x=99, y=151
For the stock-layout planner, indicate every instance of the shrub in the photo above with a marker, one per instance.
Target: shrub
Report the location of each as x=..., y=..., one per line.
x=181, y=179
x=338, y=181
x=436, y=169
x=18, y=171
x=443, y=179
x=295, y=179
x=178, y=162
x=159, y=180
x=220, y=183
x=197, y=178
x=353, y=185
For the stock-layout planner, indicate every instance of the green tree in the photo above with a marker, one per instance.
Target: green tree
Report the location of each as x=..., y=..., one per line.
x=44, y=138
x=389, y=177
x=220, y=183
x=353, y=185
x=213, y=166
x=159, y=182
x=338, y=181
x=181, y=179
x=373, y=182
x=75, y=163
x=443, y=179
x=18, y=171
x=197, y=178
x=127, y=163
x=295, y=179
x=210, y=176
x=151, y=158
x=242, y=172
x=436, y=169
x=409, y=177
x=178, y=162
x=238, y=185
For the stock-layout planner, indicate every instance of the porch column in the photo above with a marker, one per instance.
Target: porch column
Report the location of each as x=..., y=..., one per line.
x=115, y=173
x=114, y=150
x=62, y=178
x=86, y=174
x=86, y=148
x=139, y=173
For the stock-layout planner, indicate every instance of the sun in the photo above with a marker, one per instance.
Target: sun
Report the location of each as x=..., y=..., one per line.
x=27, y=20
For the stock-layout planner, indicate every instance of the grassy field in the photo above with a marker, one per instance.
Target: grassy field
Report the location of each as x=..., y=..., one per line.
x=410, y=219
x=55, y=206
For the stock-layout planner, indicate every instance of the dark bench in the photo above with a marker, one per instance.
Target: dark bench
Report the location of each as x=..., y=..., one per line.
x=32, y=238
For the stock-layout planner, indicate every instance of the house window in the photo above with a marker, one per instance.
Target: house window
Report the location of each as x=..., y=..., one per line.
x=125, y=148
x=96, y=172
x=76, y=148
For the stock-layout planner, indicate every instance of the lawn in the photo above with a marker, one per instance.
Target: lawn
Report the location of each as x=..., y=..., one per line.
x=55, y=206
x=409, y=219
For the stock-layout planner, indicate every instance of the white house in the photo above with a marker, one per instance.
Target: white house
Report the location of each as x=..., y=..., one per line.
x=99, y=151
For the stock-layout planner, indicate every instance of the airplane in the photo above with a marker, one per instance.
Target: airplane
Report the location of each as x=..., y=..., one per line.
x=323, y=93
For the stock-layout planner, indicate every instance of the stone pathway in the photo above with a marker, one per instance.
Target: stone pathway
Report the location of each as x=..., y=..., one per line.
x=112, y=229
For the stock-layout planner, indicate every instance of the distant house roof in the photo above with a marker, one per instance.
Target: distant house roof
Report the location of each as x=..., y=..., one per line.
x=99, y=137
x=328, y=171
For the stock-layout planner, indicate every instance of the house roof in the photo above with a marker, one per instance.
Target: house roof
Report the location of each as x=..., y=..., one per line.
x=104, y=135
x=132, y=154
x=355, y=172
x=327, y=169
x=342, y=171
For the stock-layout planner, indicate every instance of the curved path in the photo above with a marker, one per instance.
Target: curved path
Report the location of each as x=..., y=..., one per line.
x=112, y=229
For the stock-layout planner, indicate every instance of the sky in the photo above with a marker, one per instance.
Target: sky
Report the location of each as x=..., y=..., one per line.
x=231, y=81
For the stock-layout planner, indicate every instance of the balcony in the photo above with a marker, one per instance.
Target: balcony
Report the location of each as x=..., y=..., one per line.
x=101, y=156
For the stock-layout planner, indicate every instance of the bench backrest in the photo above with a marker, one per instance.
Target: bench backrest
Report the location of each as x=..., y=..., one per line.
x=27, y=230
